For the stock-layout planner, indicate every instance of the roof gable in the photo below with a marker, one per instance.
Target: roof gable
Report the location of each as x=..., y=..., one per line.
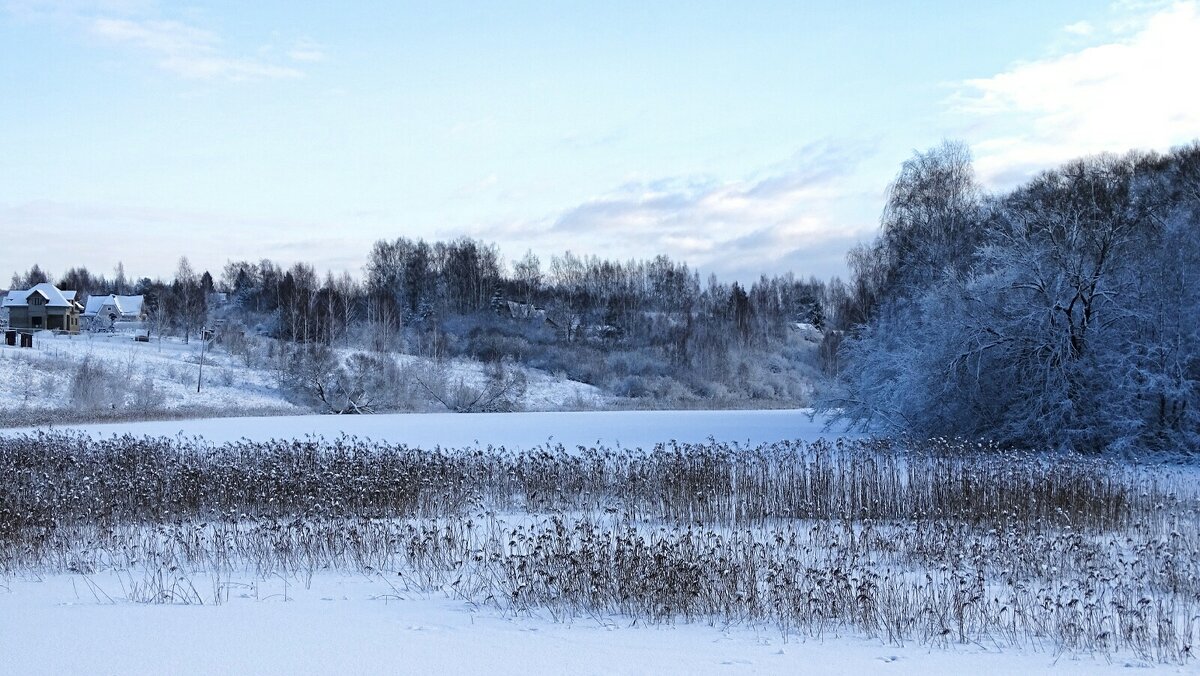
x=125, y=306
x=54, y=297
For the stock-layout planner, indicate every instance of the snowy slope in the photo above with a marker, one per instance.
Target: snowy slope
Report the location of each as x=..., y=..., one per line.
x=162, y=374
x=40, y=378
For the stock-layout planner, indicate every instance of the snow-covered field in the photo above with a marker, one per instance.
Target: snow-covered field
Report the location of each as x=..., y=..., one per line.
x=514, y=430
x=163, y=373
x=338, y=623
x=64, y=624
x=40, y=378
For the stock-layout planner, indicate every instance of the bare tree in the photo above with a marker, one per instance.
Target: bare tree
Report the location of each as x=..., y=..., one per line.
x=191, y=307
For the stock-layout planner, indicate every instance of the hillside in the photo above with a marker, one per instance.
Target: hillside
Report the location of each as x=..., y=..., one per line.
x=111, y=377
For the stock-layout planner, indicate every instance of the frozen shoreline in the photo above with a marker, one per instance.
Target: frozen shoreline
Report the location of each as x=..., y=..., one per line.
x=628, y=429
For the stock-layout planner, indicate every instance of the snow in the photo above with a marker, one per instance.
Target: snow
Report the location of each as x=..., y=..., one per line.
x=544, y=392
x=336, y=622
x=39, y=378
x=54, y=296
x=514, y=430
x=808, y=332
x=367, y=625
x=125, y=306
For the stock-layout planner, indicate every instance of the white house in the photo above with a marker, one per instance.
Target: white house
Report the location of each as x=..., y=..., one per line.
x=104, y=312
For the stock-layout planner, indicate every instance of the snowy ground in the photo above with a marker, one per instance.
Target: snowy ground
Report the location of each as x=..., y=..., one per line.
x=163, y=374
x=62, y=623
x=359, y=625
x=40, y=378
x=513, y=430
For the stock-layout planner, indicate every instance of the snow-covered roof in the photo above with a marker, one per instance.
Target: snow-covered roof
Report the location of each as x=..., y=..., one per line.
x=124, y=305
x=53, y=295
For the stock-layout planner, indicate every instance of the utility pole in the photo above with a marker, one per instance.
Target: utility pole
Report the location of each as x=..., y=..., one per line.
x=203, y=344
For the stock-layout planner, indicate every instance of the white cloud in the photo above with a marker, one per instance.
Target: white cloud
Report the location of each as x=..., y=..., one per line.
x=797, y=217
x=175, y=46
x=306, y=51
x=156, y=36
x=185, y=50
x=42, y=9
x=1080, y=28
x=1136, y=91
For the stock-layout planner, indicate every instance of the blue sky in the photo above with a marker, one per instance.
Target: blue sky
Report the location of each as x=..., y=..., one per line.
x=742, y=137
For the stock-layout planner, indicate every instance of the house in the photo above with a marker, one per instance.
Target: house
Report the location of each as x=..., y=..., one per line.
x=103, y=312
x=518, y=310
x=44, y=306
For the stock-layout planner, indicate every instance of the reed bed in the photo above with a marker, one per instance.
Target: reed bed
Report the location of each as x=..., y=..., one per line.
x=938, y=542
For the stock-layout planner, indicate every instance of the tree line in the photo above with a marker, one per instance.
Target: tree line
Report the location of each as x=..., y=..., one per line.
x=1064, y=313
x=641, y=328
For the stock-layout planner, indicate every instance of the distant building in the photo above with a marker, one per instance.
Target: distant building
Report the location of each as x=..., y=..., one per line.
x=44, y=307
x=104, y=312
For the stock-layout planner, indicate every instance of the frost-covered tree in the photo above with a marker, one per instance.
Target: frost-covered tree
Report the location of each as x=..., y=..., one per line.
x=1072, y=324
x=929, y=228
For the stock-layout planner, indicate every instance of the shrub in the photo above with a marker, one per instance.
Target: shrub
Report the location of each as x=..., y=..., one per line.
x=93, y=387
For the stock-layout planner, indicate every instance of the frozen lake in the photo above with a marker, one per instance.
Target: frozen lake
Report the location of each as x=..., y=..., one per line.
x=514, y=430
x=336, y=622
x=357, y=624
